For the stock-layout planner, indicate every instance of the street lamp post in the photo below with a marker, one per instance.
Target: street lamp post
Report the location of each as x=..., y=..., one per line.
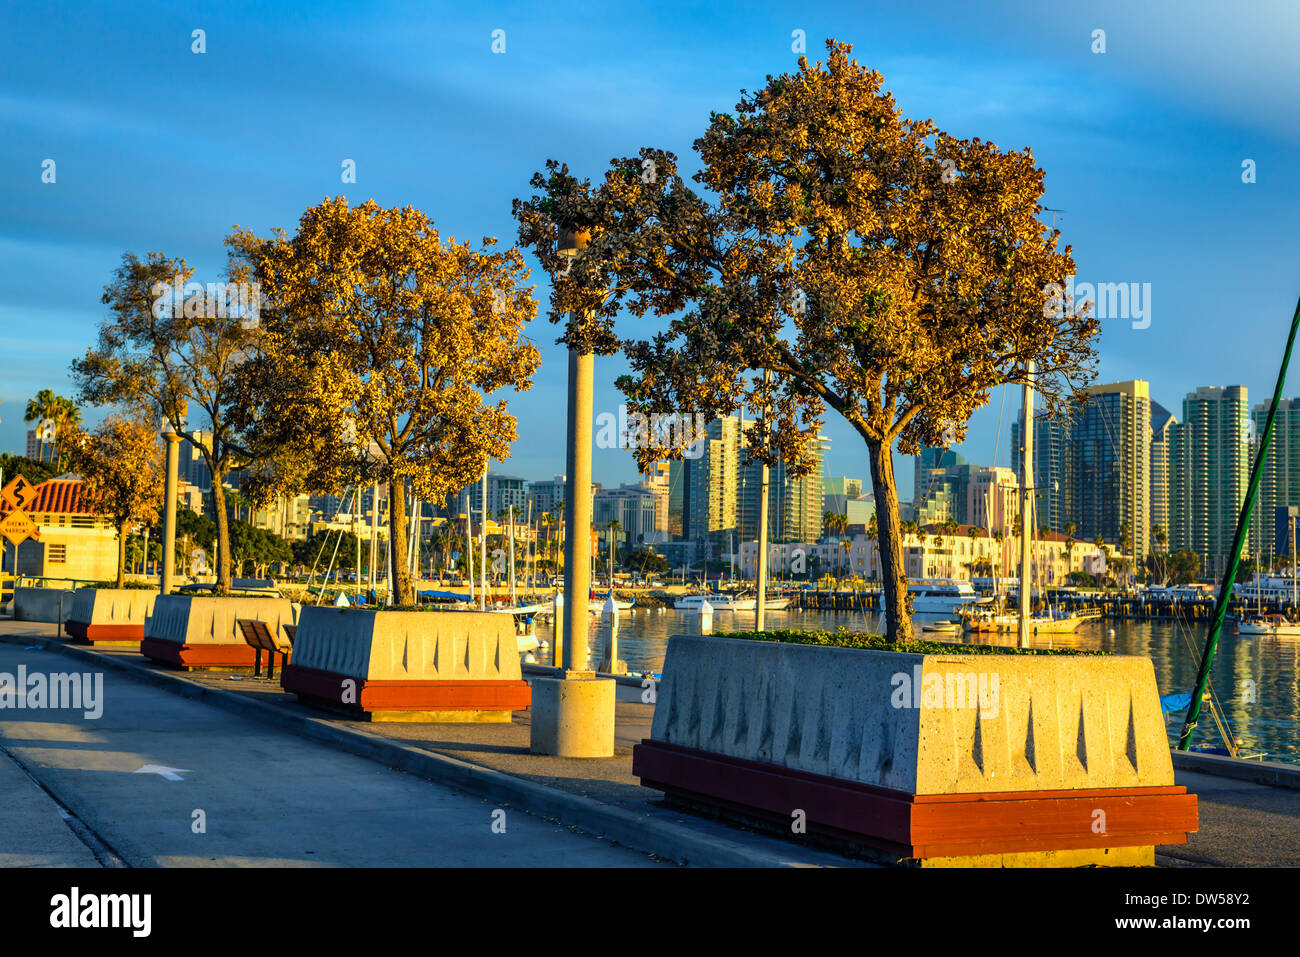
x=573, y=715
x=173, y=439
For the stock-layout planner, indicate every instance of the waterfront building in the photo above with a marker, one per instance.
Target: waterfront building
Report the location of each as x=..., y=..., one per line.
x=1279, y=485
x=933, y=552
x=795, y=504
x=1162, y=430
x=75, y=541
x=503, y=491
x=1209, y=472
x=838, y=491
x=547, y=495
x=1093, y=470
x=632, y=506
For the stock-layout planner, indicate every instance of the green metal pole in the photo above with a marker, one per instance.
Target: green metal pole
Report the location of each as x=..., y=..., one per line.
x=1243, y=525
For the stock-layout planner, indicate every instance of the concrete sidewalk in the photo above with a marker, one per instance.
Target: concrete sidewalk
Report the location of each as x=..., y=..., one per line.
x=1242, y=823
x=599, y=797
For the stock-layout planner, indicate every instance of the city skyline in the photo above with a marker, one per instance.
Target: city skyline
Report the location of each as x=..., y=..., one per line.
x=1132, y=140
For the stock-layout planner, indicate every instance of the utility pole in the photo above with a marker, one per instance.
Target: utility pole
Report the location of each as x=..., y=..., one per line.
x=1026, y=526
x=482, y=548
x=760, y=611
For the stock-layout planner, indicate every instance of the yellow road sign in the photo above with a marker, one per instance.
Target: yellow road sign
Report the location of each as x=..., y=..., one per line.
x=19, y=493
x=18, y=526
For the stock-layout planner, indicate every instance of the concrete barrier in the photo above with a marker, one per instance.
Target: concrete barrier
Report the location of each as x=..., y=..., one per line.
x=953, y=760
x=408, y=666
x=110, y=616
x=42, y=604
x=193, y=631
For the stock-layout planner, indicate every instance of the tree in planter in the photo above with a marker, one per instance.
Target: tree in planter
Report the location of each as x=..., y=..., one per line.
x=121, y=466
x=380, y=343
x=166, y=354
x=850, y=259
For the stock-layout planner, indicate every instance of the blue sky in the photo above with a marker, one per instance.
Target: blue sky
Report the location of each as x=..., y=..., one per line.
x=158, y=148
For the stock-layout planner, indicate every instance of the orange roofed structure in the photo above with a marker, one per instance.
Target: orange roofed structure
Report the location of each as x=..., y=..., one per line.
x=75, y=541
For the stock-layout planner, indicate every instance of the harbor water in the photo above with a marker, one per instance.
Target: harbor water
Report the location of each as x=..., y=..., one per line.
x=1255, y=680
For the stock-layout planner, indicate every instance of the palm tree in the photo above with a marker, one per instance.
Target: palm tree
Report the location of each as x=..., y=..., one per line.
x=38, y=409
x=66, y=418
x=614, y=526
x=545, y=520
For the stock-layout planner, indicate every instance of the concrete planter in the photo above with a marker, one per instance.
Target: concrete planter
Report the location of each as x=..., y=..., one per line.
x=42, y=604
x=201, y=632
x=110, y=616
x=408, y=666
x=950, y=760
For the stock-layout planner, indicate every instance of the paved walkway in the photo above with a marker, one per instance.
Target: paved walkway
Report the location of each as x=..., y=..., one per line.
x=1242, y=824
x=163, y=780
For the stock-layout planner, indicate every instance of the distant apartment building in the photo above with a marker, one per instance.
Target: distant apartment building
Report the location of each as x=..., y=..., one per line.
x=970, y=495
x=932, y=463
x=1279, y=486
x=547, y=495
x=838, y=491
x=794, y=503
x=967, y=553
x=1162, y=432
x=48, y=452
x=633, y=507
x=1093, y=470
x=715, y=499
x=503, y=491
x=1209, y=471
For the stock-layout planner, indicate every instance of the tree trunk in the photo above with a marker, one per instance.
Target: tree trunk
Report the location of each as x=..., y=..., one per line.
x=121, y=555
x=893, y=575
x=404, y=593
x=223, y=531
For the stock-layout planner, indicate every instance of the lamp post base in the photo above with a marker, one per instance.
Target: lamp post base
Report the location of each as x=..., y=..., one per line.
x=573, y=716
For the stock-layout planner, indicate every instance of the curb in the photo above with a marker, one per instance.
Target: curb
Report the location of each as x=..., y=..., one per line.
x=1270, y=773
x=641, y=832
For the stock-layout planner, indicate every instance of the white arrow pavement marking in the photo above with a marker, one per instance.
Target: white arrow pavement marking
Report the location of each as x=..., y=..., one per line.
x=171, y=774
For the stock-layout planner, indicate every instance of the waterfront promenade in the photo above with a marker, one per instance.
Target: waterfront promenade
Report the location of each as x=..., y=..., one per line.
x=282, y=784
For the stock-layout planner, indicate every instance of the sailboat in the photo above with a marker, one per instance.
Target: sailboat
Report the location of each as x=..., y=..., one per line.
x=1272, y=625
x=1201, y=693
x=987, y=618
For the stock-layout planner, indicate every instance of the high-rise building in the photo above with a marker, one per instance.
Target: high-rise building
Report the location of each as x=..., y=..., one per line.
x=1209, y=471
x=1093, y=470
x=503, y=491
x=1053, y=484
x=795, y=504
x=1162, y=431
x=1110, y=447
x=1279, y=484
x=712, y=507
x=931, y=463
x=547, y=495
x=632, y=507
x=838, y=491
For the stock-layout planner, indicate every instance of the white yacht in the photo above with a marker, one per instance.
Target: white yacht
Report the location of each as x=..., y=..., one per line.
x=725, y=602
x=941, y=596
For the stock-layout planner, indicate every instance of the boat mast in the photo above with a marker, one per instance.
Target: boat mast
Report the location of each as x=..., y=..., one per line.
x=1243, y=525
x=1026, y=483
x=482, y=550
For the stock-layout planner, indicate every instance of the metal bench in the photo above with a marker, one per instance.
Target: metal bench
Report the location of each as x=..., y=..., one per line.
x=260, y=638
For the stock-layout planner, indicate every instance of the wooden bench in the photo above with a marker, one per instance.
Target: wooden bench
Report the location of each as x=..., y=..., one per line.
x=260, y=638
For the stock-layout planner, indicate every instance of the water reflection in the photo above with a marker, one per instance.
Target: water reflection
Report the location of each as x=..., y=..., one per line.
x=1256, y=680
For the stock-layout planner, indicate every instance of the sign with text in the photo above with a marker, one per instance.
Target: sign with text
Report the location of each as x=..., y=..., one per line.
x=18, y=526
